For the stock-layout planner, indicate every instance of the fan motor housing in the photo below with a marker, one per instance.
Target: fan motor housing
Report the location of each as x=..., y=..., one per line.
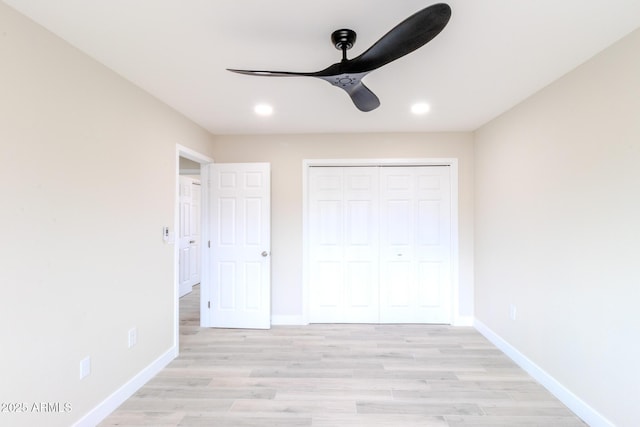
x=343, y=39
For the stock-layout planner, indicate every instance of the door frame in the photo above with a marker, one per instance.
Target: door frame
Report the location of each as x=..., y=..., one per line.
x=188, y=153
x=451, y=162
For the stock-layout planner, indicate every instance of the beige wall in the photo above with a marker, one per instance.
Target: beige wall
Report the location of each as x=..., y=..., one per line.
x=557, y=230
x=87, y=179
x=286, y=153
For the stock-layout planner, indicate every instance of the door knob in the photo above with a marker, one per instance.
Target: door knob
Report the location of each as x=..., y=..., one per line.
x=264, y=253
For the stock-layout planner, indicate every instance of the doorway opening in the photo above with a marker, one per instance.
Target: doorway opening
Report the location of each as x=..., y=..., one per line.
x=189, y=227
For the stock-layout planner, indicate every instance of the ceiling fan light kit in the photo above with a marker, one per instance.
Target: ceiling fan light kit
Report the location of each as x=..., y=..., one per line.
x=409, y=35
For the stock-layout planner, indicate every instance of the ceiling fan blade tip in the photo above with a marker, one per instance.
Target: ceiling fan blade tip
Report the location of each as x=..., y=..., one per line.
x=366, y=109
x=362, y=97
x=444, y=9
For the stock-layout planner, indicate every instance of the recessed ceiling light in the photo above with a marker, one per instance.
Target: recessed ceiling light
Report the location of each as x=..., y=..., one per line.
x=420, y=108
x=263, y=109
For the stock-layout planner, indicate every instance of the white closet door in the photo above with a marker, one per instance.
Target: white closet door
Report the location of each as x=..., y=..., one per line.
x=415, y=245
x=344, y=244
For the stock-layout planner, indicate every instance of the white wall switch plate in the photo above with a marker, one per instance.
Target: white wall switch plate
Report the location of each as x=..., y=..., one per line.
x=133, y=337
x=85, y=367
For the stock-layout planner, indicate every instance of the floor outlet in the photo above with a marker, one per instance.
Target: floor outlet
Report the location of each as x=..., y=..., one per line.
x=85, y=367
x=133, y=337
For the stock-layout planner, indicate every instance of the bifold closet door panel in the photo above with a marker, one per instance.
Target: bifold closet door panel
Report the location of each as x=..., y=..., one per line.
x=343, y=236
x=415, y=245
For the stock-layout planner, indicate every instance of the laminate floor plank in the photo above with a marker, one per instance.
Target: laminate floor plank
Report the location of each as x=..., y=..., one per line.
x=511, y=421
x=247, y=421
x=379, y=420
x=339, y=375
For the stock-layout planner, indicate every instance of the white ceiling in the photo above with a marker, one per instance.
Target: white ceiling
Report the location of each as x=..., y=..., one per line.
x=492, y=55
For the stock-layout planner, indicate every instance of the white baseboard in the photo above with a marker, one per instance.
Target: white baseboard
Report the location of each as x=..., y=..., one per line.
x=288, y=320
x=111, y=403
x=463, y=321
x=573, y=402
x=300, y=321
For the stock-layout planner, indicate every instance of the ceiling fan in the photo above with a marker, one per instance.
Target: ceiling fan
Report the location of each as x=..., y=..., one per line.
x=409, y=35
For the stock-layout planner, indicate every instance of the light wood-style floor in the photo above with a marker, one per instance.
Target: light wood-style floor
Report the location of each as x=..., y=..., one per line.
x=339, y=376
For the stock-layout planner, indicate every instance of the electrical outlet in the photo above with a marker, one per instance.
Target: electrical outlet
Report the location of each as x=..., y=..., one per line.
x=133, y=337
x=512, y=312
x=85, y=367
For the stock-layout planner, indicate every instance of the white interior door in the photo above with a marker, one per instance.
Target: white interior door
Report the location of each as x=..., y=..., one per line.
x=415, y=245
x=380, y=244
x=195, y=237
x=344, y=244
x=189, y=234
x=239, y=255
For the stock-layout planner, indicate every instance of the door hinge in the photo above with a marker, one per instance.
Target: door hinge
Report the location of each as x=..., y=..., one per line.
x=208, y=304
x=209, y=243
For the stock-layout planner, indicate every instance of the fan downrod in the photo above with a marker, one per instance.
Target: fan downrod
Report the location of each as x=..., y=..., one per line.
x=343, y=40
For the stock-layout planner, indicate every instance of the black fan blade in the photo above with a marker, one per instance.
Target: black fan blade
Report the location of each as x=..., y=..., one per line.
x=362, y=97
x=409, y=35
x=271, y=73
